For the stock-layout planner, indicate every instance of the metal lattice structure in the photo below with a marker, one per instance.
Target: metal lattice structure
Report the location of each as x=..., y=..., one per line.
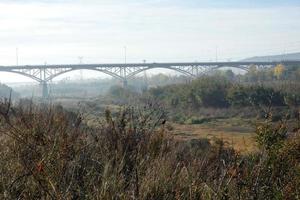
x=45, y=73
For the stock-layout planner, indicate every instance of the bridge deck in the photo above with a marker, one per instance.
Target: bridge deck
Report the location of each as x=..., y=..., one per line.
x=120, y=65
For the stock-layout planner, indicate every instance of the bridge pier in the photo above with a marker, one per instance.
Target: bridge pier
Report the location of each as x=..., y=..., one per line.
x=45, y=92
x=125, y=84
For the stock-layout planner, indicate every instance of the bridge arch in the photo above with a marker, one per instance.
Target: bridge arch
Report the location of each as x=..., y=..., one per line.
x=245, y=68
x=186, y=72
x=129, y=75
x=24, y=74
x=132, y=74
x=90, y=69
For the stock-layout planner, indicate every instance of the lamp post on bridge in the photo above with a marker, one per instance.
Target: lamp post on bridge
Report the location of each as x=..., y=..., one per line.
x=123, y=72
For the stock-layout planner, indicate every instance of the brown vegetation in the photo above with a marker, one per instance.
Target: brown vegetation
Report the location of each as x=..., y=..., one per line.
x=48, y=153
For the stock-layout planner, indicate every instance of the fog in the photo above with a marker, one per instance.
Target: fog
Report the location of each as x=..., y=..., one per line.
x=55, y=32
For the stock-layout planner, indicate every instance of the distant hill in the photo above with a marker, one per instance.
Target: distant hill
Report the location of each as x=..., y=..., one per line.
x=286, y=57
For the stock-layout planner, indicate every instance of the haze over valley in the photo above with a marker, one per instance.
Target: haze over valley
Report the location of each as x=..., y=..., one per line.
x=149, y=99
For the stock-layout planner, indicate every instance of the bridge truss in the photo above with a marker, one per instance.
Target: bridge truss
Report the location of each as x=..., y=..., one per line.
x=45, y=73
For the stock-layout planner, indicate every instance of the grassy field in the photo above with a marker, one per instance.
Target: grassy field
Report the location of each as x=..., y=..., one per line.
x=236, y=133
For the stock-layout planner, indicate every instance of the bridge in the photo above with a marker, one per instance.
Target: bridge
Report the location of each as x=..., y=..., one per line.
x=45, y=73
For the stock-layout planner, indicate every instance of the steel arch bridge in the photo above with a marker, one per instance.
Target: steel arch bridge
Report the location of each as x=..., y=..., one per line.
x=45, y=73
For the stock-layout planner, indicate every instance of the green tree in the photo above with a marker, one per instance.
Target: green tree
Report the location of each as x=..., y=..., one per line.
x=238, y=96
x=211, y=91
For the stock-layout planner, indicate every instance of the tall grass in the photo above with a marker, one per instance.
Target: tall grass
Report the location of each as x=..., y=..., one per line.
x=49, y=153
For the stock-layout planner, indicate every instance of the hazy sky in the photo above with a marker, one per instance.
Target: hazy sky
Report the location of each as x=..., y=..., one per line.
x=58, y=31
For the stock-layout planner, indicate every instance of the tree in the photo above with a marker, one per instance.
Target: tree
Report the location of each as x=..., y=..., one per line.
x=279, y=71
x=229, y=74
x=211, y=91
x=238, y=96
x=298, y=73
x=252, y=74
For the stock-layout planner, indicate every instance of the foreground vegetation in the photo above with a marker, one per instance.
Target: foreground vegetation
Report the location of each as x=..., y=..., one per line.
x=49, y=153
x=111, y=150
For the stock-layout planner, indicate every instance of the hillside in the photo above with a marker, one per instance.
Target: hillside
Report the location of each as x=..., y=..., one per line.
x=290, y=56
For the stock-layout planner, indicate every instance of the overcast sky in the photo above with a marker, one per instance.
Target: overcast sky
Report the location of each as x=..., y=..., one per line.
x=59, y=31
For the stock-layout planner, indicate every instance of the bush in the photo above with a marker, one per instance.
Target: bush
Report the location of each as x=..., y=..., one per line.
x=211, y=91
x=279, y=172
x=254, y=96
x=121, y=95
x=195, y=120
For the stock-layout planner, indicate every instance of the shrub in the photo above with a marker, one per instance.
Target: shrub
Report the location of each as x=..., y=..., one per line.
x=211, y=91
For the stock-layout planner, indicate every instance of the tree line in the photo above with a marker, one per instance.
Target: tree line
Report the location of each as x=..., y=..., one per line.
x=219, y=92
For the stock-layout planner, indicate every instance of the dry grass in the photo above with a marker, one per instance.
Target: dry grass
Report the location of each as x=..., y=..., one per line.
x=48, y=153
x=241, y=141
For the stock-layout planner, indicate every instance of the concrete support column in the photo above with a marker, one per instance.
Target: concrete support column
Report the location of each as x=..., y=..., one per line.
x=125, y=84
x=123, y=75
x=45, y=92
